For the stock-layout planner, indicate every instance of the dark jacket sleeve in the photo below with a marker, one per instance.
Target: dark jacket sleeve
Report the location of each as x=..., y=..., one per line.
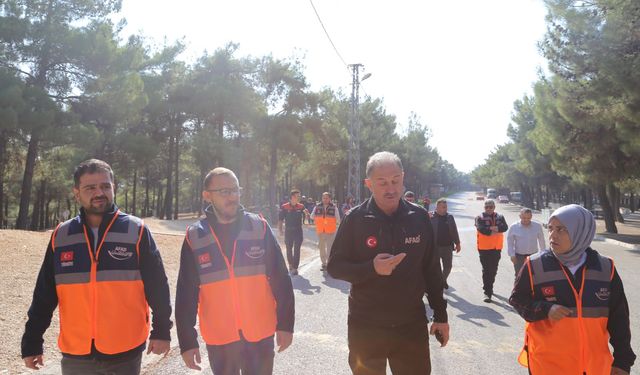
x=521, y=299
x=501, y=223
x=187, y=293
x=454, y=230
x=482, y=227
x=340, y=265
x=43, y=304
x=280, y=283
x=156, y=287
x=618, y=326
x=432, y=274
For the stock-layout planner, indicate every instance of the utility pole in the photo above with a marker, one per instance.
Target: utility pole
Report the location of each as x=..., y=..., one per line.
x=354, y=179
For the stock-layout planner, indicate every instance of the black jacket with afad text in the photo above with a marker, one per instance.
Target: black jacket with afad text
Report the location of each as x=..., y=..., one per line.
x=394, y=300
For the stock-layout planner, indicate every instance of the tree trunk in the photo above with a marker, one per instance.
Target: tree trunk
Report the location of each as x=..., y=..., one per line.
x=135, y=186
x=3, y=157
x=538, y=194
x=146, y=192
x=43, y=202
x=168, y=196
x=607, y=211
x=177, y=165
x=614, y=197
x=27, y=180
x=632, y=202
x=35, y=213
x=273, y=168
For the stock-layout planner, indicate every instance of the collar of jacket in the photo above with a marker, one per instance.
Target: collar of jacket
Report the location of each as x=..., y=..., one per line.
x=403, y=209
x=106, y=217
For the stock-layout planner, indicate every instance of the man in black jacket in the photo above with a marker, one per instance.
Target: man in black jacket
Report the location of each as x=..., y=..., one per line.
x=384, y=248
x=99, y=265
x=445, y=234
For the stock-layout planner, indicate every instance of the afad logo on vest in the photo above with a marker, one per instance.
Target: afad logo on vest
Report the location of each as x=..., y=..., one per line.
x=371, y=242
x=603, y=294
x=120, y=253
x=255, y=252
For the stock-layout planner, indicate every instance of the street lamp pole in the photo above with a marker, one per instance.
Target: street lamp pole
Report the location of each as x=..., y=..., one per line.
x=354, y=180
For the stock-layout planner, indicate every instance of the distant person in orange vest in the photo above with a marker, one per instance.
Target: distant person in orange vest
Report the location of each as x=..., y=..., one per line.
x=574, y=303
x=103, y=269
x=490, y=227
x=233, y=277
x=327, y=218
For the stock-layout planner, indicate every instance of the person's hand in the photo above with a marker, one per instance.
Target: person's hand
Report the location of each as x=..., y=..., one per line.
x=458, y=247
x=443, y=330
x=494, y=228
x=34, y=362
x=385, y=263
x=283, y=340
x=513, y=259
x=159, y=347
x=558, y=312
x=618, y=371
x=191, y=358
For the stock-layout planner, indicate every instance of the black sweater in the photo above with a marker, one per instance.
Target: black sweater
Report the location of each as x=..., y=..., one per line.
x=394, y=300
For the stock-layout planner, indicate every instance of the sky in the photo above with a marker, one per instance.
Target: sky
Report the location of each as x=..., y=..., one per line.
x=459, y=65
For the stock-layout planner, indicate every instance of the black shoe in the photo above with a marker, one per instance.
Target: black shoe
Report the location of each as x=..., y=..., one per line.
x=294, y=272
x=323, y=268
x=487, y=298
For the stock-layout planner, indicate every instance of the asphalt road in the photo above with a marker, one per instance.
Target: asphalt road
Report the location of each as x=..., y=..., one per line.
x=485, y=337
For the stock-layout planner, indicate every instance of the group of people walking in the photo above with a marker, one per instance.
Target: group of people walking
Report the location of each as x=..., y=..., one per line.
x=103, y=271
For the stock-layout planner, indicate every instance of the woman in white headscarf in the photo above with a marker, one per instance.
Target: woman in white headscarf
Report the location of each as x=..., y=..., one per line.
x=574, y=303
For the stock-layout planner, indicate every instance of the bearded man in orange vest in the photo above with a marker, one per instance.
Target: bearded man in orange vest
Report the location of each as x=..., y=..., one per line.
x=233, y=277
x=326, y=218
x=103, y=270
x=490, y=227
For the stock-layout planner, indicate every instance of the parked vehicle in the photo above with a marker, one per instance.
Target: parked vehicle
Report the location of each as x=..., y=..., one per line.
x=503, y=199
x=492, y=193
x=516, y=196
x=479, y=196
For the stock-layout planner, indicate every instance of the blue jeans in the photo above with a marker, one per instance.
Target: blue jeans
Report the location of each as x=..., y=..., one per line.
x=248, y=358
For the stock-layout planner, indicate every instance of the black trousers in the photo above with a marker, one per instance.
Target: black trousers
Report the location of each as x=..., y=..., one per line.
x=489, y=260
x=81, y=366
x=406, y=348
x=248, y=358
x=293, y=241
x=446, y=255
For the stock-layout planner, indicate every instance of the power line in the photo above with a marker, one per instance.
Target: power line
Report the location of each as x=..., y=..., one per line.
x=326, y=33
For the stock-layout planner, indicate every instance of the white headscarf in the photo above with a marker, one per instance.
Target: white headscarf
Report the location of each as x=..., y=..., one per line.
x=582, y=229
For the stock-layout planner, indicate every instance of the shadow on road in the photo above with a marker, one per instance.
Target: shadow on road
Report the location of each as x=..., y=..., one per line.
x=475, y=314
x=343, y=286
x=304, y=285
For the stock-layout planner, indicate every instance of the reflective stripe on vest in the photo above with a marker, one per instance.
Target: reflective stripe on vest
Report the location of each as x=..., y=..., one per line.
x=325, y=221
x=101, y=297
x=235, y=294
x=579, y=342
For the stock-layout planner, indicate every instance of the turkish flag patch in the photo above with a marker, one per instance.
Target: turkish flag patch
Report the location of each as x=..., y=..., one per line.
x=548, y=291
x=204, y=258
x=66, y=256
x=371, y=242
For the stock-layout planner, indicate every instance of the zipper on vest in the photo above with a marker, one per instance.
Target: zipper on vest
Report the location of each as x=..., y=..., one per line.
x=578, y=298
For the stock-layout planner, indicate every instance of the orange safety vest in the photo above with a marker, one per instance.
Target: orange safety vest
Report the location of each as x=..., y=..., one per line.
x=235, y=294
x=101, y=297
x=325, y=220
x=492, y=242
x=578, y=343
